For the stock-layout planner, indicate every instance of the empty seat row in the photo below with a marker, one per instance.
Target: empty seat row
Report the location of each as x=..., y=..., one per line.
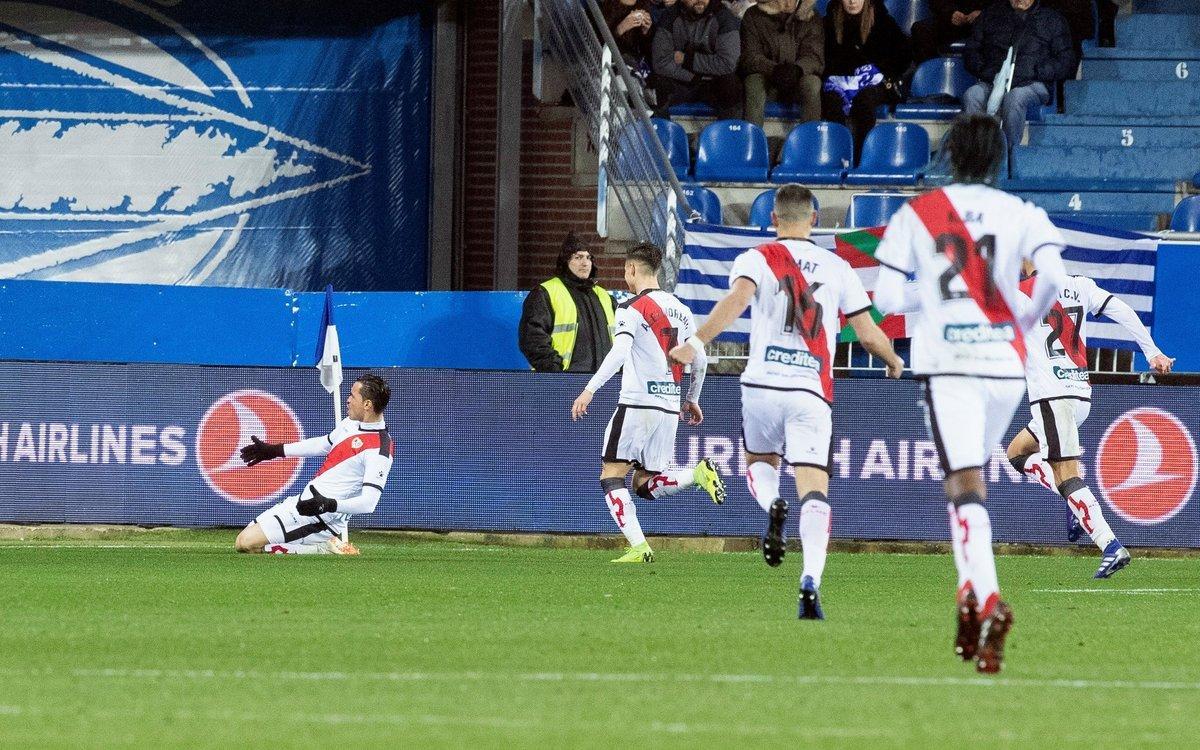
x=866, y=209
x=894, y=153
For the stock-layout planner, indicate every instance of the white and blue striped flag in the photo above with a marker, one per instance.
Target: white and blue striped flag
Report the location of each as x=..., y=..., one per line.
x=1120, y=262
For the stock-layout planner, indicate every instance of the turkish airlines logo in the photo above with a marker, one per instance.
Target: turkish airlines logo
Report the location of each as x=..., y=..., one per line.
x=227, y=426
x=1147, y=465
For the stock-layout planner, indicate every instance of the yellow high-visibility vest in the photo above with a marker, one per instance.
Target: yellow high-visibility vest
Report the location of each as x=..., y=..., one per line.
x=566, y=317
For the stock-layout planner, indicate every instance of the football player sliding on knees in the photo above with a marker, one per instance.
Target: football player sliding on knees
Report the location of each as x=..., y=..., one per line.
x=358, y=457
x=795, y=290
x=641, y=433
x=964, y=245
x=1060, y=398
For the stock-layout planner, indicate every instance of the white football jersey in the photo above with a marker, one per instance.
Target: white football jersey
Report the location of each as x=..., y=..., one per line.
x=800, y=289
x=965, y=243
x=359, y=454
x=657, y=322
x=1057, y=366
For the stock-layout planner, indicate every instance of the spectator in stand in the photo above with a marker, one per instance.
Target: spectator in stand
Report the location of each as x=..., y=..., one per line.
x=630, y=24
x=866, y=53
x=659, y=7
x=1081, y=19
x=696, y=50
x=1042, y=56
x=783, y=55
x=951, y=22
x=567, y=321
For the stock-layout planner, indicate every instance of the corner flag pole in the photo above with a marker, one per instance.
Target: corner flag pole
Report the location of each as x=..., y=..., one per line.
x=329, y=362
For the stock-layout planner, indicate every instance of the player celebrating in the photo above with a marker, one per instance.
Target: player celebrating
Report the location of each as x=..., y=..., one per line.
x=1060, y=398
x=641, y=433
x=795, y=290
x=965, y=244
x=358, y=457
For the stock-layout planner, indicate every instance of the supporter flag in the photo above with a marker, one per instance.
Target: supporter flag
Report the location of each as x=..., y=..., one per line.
x=329, y=355
x=1120, y=262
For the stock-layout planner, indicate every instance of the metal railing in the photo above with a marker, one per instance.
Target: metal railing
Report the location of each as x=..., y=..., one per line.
x=632, y=162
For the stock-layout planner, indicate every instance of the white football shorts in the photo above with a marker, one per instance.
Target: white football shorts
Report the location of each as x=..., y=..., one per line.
x=641, y=435
x=282, y=524
x=967, y=416
x=1055, y=424
x=797, y=425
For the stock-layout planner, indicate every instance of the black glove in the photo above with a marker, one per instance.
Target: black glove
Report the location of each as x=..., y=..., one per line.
x=786, y=77
x=258, y=451
x=316, y=505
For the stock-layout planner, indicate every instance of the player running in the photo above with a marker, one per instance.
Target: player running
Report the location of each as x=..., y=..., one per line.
x=795, y=290
x=1060, y=398
x=641, y=433
x=965, y=243
x=358, y=458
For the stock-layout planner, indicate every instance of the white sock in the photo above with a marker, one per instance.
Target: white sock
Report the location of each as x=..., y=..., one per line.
x=763, y=480
x=295, y=548
x=815, y=519
x=976, y=526
x=1036, y=467
x=671, y=483
x=960, y=556
x=623, y=512
x=1087, y=509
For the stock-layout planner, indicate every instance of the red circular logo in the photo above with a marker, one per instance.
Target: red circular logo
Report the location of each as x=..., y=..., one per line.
x=1147, y=465
x=227, y=426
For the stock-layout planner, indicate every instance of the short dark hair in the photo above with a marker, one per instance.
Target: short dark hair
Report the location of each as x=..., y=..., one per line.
x=646, y=253
x=376, y=390
x=793, y=202
x=976, y=148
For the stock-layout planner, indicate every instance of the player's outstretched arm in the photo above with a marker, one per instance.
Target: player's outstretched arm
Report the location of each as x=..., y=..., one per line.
x=729, y=309
x=692, y=412
x=874, y=340
x=622, y=343
x=1119, y=311
x=1051, y=275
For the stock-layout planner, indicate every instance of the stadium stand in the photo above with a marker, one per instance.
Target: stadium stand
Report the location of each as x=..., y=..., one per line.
x=1187, y=215
x=675, y=143
x=873, y=209
x=894, y=153
x=908, y=12
x=732, y=151
x=815, y=153
x=936, y=91
x=705, y=201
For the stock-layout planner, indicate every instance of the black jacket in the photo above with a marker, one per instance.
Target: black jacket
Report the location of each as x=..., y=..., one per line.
x=887, y=48
x=943, y=10
x=1040, y=35
x=1079, y=16
x=592, y=341
x=769, y=39
x=711, y=43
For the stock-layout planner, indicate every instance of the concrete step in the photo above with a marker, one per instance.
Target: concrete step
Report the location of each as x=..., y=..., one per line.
x=1067, y=202
x=1175, y=121
x=1112, y=136
x=1165, y=6
x=1130, y=222
x=1131, y=52
x=1159, y=30
x=1068, y=182
x=1168, y=98
x=1115, y=69
x=1104, y=163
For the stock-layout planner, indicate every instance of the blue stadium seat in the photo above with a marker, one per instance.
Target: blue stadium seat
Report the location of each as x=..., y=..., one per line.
x=732, y=151
x=630, y=146
x=764, y=204
x=873, y=209
x=693, y=109
x=1187, y=215
x=907, y=12
x=894, y=153
x=815, y=153
x=675, y=142
x=941, y=75
x=705, y=201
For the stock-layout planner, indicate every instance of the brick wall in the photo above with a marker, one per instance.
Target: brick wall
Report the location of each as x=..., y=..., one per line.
x=482, y=49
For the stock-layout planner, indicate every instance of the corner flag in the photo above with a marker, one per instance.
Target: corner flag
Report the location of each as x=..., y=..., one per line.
x=329, y=355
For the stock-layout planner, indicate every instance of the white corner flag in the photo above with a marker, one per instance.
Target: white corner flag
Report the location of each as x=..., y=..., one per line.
x=329, y=356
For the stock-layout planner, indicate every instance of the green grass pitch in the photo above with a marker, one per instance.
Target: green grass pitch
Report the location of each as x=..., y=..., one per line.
x=438, y=644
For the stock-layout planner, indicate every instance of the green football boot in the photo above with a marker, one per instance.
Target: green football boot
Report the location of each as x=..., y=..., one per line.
x=639, y=554
x=709, y=480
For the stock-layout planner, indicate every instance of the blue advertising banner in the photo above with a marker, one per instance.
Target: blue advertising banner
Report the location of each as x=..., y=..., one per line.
x=158, y=444
x=216, y=143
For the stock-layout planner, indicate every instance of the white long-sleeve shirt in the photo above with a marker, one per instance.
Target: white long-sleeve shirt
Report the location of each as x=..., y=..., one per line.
x=358, y=458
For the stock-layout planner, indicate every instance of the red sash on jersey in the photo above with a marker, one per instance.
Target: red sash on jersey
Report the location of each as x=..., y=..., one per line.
x=349, y=448
x=1068, y=336
x=807, y=316
x=666, y=334
x=939, y=216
